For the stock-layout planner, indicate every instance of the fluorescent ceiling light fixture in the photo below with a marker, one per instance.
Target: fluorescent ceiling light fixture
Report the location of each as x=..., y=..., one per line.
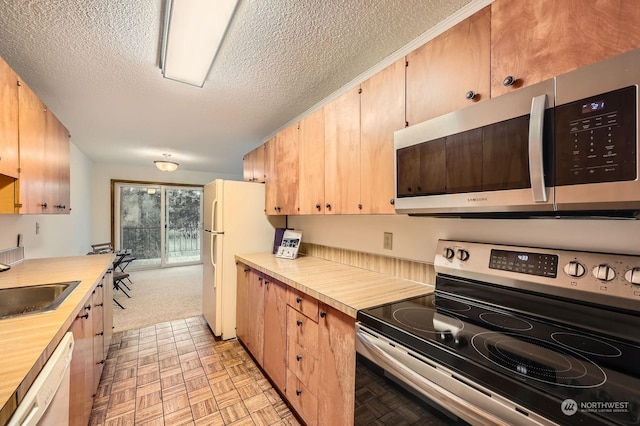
x=193, y=31
x=166, y=165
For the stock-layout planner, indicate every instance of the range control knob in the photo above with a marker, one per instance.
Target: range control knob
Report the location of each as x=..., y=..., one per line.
x=604, y=272
x=633, y=276
x=574, y=269
x=463, y=255
x=448, y=253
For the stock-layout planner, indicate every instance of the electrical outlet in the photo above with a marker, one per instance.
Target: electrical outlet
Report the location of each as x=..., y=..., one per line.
x=388, y=241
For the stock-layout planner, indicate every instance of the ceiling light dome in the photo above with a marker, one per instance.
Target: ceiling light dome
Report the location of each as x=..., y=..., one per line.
x=166, y=165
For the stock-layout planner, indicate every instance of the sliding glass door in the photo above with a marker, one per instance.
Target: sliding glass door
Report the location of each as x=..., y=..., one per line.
x=159, y=224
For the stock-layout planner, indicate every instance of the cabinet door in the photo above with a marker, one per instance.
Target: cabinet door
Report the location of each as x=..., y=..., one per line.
x=342, y=154
x=56, y=187
x=242, y=302
x=107, y=291
x=97, y=328
x=337, y=357
x=287, y=170
x=537, y=39
x=271, y=179
x=441, y=72
x=255, y=340
x=275, y=332
x=258, y=164
x=311, y=163
x=382, y=113
x=81, y=369
x=248, y=166
x=32, y=124
x=8, y=121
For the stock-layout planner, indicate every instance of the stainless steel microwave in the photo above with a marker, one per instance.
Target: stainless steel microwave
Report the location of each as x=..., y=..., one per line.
x=564, y=146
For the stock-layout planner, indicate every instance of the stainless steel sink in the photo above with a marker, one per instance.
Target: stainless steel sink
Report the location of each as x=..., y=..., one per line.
x=18, y=301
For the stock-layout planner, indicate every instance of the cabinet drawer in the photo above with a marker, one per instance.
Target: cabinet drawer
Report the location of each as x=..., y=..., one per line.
x=304, y=365
x=303, y=303
x=302, y=331
x=302, y=400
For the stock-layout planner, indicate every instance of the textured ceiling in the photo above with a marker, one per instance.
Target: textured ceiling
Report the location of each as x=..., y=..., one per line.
x=95, y=64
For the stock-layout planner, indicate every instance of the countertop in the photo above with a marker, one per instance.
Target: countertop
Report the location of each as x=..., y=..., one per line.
x=29, y=340
x=340, y=286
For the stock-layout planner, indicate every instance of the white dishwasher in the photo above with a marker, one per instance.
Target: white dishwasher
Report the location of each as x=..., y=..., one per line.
x=47, y=400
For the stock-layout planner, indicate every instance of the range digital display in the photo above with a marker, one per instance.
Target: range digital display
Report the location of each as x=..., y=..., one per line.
x=545, y=265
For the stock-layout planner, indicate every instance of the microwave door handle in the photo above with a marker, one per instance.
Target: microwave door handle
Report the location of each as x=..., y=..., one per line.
x=536, y=164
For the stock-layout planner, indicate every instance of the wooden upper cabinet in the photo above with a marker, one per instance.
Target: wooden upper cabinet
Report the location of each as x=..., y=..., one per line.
x=311, y=164
x=253, y=165
x=271, y=179
x=446, y=71
x=57, y=182
x=9, y=163
x=287, y=170
x=538, y=39
x=342, y=154
x=281, y=171
x=33, y=130
x=381, y=113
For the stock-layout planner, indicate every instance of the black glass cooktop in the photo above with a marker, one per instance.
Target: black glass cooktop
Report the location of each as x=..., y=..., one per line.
x=539, y=352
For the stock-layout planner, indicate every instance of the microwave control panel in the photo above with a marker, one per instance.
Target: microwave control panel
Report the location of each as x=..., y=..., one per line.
x=596, y=138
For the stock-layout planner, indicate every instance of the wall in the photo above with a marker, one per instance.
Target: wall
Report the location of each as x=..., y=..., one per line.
x=101, y=178
x=59, y=235
x=415, y=238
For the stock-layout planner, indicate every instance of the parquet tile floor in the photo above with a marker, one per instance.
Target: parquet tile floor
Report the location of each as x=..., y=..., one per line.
x=178, y=373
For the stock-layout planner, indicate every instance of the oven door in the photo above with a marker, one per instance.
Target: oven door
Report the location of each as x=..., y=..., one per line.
x=493, y=157
x=427, y=390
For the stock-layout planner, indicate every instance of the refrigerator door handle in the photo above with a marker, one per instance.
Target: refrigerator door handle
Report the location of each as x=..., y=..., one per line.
x=214, y=213
x=213, y=263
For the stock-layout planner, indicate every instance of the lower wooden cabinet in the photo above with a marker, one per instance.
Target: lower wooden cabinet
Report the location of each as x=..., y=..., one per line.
x=92, y=331
x=275, y=332
x=307, y=348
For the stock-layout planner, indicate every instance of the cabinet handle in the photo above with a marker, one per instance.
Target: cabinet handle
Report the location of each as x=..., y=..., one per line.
x=100, y=285
x=99, y=305
x=360, y=206
x=298, y=392
x=392, y=201
x=323, y=314
x=247, y=269
x=298, y=357
x=100, y=362
x=85, y=316
x=508, y=81
x=260, y=279
x=275, y=208
x=60, y=206
x=298, y=323
x=298, y=300
x=43, y=205
x=318, y=206
x=266, y=283
x=88, y=307
x=100, y=334
x=470, y=95
x=328, y=205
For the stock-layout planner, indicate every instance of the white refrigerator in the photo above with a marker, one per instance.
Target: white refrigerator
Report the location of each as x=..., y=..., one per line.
x=234, y=223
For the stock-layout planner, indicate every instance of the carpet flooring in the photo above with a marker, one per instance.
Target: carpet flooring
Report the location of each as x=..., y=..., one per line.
x=159, y=295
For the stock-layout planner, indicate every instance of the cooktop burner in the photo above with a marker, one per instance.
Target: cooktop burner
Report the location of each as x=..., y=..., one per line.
x=538, y=360
x=586, y=345
x=505, y=321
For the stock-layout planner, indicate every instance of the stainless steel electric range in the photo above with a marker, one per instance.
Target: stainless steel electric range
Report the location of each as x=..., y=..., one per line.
x=511, y=335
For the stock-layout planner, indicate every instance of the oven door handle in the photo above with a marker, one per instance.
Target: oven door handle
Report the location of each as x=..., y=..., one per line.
x=452, y=402
x=536, y=161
